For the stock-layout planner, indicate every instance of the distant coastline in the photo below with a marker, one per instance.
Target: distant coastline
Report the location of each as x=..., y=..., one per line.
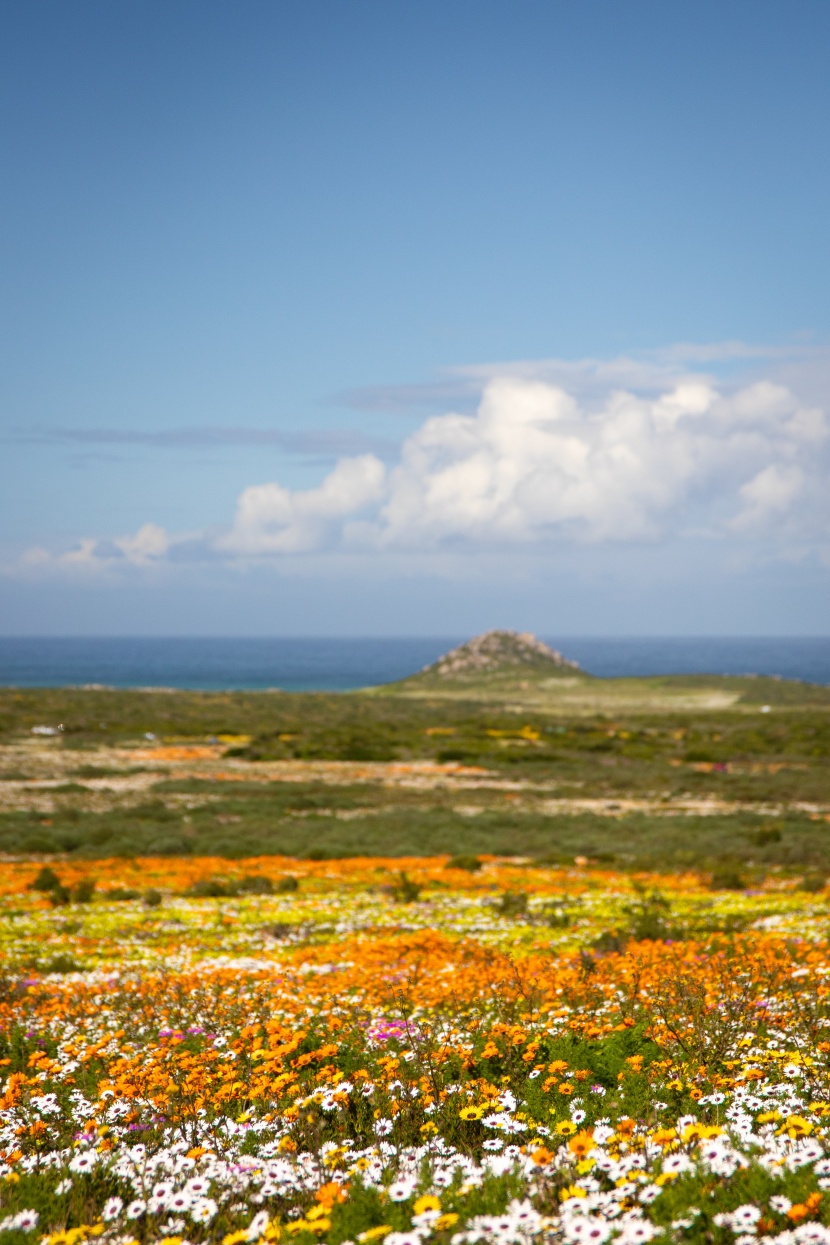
x=341, y=664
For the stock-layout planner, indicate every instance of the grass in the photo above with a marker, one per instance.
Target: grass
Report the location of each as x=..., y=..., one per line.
x=542, y=776
x=341, y=822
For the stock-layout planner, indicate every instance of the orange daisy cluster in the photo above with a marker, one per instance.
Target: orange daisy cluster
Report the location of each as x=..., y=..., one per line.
x=180, y=872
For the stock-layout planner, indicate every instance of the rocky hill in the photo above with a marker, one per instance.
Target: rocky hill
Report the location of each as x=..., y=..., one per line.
x=500, y=652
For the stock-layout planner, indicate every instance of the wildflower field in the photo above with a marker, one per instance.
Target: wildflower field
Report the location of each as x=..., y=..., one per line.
x=409, y=1050
x=248, y=993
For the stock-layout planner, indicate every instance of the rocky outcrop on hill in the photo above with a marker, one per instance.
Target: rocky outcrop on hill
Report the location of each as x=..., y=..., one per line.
x=495, y=651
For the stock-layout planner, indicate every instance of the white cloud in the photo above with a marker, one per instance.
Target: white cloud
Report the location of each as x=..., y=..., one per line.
x=537, y=465
x=532, y=464
x=271, y=519
x=768, y=495
x=150, y=542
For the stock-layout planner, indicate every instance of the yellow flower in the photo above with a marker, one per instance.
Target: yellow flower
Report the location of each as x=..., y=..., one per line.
x=566, y=1128
x=374, y=1234
x=427, y=1202
x=445, y=1221
x=795, y=1126
x=471, y=1113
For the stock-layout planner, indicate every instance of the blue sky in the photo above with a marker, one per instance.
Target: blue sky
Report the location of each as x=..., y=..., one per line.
x=414, y=317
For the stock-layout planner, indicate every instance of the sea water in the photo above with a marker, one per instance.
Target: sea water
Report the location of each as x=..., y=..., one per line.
x=319, y=664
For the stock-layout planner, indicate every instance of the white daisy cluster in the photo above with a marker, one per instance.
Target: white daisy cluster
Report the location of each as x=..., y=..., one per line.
x=23, y=1221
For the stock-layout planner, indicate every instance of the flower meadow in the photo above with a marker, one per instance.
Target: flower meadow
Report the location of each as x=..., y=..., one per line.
x=405, y=1051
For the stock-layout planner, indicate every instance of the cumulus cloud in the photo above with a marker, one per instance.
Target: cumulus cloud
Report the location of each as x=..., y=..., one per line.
x=531, y=463
x=150, y=544
x=535, y=464
x=271, y=520
x=767, y=495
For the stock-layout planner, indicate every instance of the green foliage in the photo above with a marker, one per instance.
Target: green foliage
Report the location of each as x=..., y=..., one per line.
x=60, y=963
x=285, y=886
x=727, y=878
x=83, y=891
x=413, y=822
x=59, y=896
x=753, y=760
x=471, y=863
x=404, y=890
x=513, y=903
x=46, y=880
x=253, y=885
x=218, y=888
x=208, y=888
x=649, y=917
x=766, y=835
x=561, y=914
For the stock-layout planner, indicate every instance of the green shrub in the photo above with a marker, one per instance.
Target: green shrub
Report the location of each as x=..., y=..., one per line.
x=284, y=886
x=168, y=845
x=471, y=863
x=559, y=916
x=208, y=888
x=151, y=898
x=61, y=963
x=726, y=878
x=513, y=903
x=154, y=810
x=767, y=835
x=255, y=886
x=83, y=891
x=405, y=890
x=38, y=844
x=813, y=882
x=45, y=880
x=648, y=917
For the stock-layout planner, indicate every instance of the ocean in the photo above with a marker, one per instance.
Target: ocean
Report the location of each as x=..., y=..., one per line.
x=315, y=664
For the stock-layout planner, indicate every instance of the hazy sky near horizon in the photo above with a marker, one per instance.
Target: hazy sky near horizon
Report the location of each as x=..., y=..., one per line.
x=398, y=318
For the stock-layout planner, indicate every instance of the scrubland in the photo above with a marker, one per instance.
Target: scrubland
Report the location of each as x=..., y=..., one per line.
x=409, y=970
